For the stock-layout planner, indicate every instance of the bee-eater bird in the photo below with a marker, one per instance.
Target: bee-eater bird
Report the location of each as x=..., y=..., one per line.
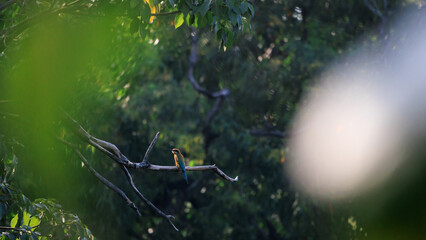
x=180, y=162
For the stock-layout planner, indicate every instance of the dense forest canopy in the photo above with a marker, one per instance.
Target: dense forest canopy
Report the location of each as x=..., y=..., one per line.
x=220, y=80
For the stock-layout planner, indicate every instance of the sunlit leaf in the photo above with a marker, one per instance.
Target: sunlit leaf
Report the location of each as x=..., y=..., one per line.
x=179, y=20
x=34, y=221
x=26, y=220
x=14, y=221
x=155, y=8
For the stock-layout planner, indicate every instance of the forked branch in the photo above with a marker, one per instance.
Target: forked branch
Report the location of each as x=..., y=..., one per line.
x=115, y=154
x=213, y=168
x=100, y=177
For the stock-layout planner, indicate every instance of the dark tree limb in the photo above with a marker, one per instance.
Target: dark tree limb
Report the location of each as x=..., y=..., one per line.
x=105, y=147
x=149, y=203
x=22, y=230
x=269, y=133
x=115, y=154
x=382, y=14
x=213, y=112
x=192, y=60
x=373, y=7
x=213, y=168
x=220, y=95
x=100, y=177
x=151, y=146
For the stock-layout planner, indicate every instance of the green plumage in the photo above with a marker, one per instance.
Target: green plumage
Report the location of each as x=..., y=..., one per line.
x=180, y=162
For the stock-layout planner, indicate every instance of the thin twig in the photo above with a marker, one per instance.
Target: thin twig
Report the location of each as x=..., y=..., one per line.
x=375, y=9
x=149, y=203
x=213, y=168
x=151, y=146
x=100, y=177
x=14, y=229
x=114, y=153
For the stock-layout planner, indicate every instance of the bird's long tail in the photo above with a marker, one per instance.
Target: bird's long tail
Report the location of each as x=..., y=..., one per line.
x=186, y=177
x=182, y=167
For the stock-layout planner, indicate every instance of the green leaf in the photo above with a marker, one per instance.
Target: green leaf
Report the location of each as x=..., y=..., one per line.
x=209, y=18
x=231, y=5
x=196, y=21
x=250, y=7
x=34, y=221
x=145, y=13
x=10, y=236
x=229, y=39
x=201, y=21
x=232, y=17
x=189, y=19
x=26, y=218
x=14, y=221
x=244, y=7
x=179, y=20
x=239, y=21
x=172, y=3
x=219, y=34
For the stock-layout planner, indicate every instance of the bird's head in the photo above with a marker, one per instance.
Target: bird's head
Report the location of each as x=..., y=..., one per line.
x=175, y=151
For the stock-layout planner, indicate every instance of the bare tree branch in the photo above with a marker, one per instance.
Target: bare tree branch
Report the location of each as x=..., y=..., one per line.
x=220, y=95
x=213, y=112
x=15, y=229
x=151, y=146
x=135, y=189
x=192, y=60
x=105, y=147
x=272, y=133
x=100, y=177
x=372, y=5
x=115, y=154
x=213, y=168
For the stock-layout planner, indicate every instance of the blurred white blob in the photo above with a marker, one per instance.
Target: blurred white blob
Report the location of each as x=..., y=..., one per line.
x=354, y=126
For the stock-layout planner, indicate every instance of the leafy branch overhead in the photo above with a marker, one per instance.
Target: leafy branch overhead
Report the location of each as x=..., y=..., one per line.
x=225, y=18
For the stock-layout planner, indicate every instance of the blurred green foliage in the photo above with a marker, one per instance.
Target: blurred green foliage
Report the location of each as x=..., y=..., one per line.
x=38, y=219
x=122, y=75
